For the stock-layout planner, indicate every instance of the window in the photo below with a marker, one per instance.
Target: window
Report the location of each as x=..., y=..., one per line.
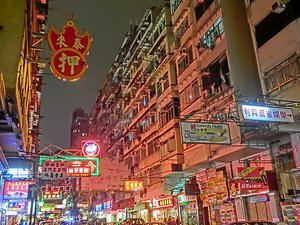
x=186, y=60
x=171, y=111
x=152, y=146
x=210, y=36
x=190, y=94
x=166, y=81
x=159, y=89
x=215, y=78
x=152, y=91
x=174, y=5
x=182, y=28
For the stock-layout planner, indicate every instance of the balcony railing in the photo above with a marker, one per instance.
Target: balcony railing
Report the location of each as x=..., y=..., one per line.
x=283, y=74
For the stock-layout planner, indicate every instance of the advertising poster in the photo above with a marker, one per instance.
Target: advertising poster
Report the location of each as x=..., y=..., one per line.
x=205, y=133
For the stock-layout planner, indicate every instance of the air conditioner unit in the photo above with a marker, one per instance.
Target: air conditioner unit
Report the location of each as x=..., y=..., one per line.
x=278, y=6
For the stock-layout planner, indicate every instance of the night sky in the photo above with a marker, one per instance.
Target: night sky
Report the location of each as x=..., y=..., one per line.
x=107, y=21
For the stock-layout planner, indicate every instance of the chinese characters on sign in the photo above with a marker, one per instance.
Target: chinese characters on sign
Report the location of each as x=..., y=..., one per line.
x=210, y=133
x=266, y=113
x=16, y=189
x=69, y=50
x=79, y=172
x=133, y=185
x=54, y=170
x=77, y=168
x=52, y=195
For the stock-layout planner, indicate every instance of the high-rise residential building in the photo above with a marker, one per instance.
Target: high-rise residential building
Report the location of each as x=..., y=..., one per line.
x=205, y=93
x=79, y=128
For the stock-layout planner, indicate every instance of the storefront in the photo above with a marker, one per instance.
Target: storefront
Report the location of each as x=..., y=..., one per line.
x=252, y=194
x=214, y=195
x=188, y=210
x=163, y=208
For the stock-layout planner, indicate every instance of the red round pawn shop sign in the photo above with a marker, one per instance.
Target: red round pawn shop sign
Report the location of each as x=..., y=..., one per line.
x=90, y=149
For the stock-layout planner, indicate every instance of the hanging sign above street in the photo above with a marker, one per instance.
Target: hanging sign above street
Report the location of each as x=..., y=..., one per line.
x=209, y=133
x=266, y=113
x=69, y=50
x=80, y=162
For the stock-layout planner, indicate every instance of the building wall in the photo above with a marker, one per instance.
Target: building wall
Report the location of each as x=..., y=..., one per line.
x=206, y=61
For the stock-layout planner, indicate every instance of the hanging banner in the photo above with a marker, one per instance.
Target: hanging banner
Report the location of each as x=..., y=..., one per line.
x=69, y=50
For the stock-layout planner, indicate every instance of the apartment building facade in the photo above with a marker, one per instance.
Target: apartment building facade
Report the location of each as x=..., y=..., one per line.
x=201, y=64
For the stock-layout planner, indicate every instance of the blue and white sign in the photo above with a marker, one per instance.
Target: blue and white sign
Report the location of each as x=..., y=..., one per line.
x=267, y=113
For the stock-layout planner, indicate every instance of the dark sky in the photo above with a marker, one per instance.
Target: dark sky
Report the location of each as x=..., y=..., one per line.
x=107, y=21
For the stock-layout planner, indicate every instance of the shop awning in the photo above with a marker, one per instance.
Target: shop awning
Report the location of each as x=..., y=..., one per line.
x=123, y=203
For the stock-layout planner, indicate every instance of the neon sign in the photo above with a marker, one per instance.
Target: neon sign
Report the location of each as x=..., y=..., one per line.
x=93, y=163
x=90, y=149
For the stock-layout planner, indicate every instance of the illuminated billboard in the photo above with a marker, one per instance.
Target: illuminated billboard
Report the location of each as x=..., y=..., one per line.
x=16, y=189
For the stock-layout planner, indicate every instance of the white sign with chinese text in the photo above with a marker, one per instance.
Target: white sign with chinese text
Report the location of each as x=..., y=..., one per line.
x=210, y=133
x=266, y=113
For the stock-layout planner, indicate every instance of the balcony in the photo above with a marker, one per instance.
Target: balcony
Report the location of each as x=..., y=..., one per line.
x=284, y=77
